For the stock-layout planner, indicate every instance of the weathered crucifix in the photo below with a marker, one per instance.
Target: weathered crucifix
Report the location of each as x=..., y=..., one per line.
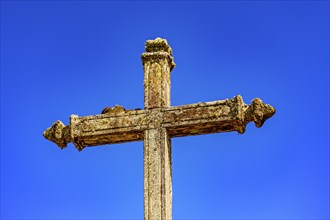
x=157, y=124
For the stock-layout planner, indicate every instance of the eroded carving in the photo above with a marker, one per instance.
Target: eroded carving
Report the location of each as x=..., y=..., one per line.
x=157, y=51
x=157, y=45
x=113, y=110
x=258, y=112
x=58, y=133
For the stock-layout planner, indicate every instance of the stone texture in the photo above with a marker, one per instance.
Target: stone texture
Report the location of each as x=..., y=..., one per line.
x=58, y=133
x=115, y=109
x=129, y=125
x=158, y=64
x=157, y=124
x=157, y=174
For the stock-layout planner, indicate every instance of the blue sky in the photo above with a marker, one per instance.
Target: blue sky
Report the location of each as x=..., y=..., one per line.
x=75, y=57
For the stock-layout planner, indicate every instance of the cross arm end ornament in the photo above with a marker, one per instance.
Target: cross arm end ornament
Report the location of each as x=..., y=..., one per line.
x=120, y=125
x=258, y=112
x=214, y=117
x=58, y=133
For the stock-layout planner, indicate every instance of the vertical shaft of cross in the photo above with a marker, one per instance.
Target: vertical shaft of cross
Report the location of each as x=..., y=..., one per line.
x=157, y=175
x=158, y=63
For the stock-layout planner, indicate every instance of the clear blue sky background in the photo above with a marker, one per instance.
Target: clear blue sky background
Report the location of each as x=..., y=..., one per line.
x=75, y=57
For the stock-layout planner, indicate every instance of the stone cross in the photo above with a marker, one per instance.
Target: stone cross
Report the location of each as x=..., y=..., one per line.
x=157, y=124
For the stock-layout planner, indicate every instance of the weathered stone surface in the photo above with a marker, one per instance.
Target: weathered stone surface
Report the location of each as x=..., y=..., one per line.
x=58, y=133
x=158, y=64
x=157, y=124
x=108, y=128
x=193, y=119
x=157, y=174
x=158, y=45
x=258, y=112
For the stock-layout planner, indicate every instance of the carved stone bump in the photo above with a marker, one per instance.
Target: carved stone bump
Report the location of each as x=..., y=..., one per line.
x=113, y=110
x=58, y=133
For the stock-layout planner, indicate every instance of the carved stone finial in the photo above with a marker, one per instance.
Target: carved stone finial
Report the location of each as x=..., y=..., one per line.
x=258, y=112
x=58, y=133
x=158, y=50
x=158, y=45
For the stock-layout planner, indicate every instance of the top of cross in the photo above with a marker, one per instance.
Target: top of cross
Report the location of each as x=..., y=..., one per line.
x=158, y=45
x=158, y=49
